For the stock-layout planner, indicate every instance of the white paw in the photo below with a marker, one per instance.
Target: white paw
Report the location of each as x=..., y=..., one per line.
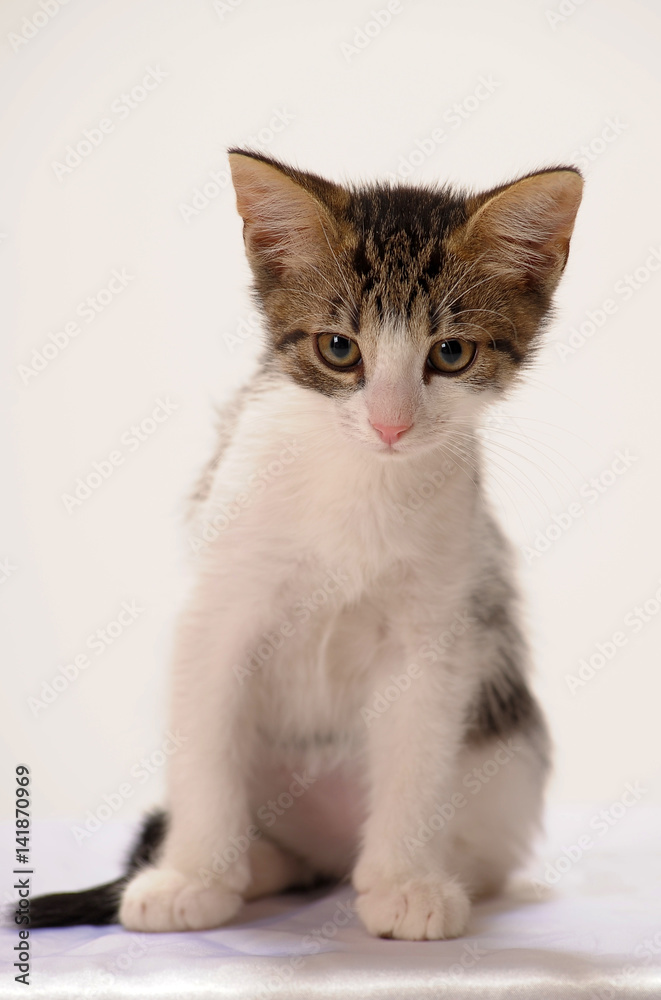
x=167, y=900
x=418, y=909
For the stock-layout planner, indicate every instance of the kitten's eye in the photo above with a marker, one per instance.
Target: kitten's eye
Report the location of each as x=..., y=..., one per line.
x=337, y=351
x=449, y=356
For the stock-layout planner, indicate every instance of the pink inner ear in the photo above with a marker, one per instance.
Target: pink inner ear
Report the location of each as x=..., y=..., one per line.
x=283, y=222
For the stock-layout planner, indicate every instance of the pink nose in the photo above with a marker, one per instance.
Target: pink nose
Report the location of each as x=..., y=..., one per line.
x=391, y=434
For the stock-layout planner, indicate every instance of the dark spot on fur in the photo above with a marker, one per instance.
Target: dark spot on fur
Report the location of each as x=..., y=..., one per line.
x=292, y=338
x=506, y=347
x=504, y=705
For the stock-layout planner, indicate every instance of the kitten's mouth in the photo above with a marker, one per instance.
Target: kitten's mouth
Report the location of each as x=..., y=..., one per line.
x=391, y=450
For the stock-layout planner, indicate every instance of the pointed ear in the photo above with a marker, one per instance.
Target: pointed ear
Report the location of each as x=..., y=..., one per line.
x=285, y=225
x=522, y=232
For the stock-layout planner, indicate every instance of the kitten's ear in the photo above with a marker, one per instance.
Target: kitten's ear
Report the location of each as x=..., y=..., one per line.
x=284, y=223
x=522, y=232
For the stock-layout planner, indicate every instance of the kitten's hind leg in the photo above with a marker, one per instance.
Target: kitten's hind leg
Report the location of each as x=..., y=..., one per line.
x=273, y=869
x=501, y=787
x=163, y=899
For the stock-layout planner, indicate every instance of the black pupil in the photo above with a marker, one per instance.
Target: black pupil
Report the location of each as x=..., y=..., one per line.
x=451, y=351
x=340, y=347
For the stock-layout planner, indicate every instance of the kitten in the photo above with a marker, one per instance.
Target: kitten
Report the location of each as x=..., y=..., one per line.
x=349, y=673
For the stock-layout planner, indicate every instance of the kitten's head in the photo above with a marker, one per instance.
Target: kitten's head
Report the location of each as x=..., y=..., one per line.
x=408, y=307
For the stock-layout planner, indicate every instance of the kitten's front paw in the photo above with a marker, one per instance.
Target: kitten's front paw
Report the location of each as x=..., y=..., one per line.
x=418, y=909
x=167, y=900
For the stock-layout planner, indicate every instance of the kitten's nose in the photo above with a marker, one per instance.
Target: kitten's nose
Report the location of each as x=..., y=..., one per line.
x=391, y=434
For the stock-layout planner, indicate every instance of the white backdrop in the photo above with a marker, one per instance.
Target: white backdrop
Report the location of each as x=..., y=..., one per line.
x=127, y=317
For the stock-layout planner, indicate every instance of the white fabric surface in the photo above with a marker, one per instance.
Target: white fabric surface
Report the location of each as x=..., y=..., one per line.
x=596, y=934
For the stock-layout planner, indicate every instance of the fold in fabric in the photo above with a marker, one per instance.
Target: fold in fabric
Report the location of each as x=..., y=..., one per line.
x=580, y=923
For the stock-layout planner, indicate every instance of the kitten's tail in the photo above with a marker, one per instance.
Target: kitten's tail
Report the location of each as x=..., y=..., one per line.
x=99, y=905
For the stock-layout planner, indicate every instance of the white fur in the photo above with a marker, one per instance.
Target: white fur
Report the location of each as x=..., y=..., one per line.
x=336, y=526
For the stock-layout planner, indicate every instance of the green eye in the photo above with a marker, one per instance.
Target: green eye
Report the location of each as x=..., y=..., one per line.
x=450, y=356
x=337, y=351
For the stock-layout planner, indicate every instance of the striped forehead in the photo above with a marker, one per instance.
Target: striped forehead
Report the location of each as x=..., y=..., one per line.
x=399, y=259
